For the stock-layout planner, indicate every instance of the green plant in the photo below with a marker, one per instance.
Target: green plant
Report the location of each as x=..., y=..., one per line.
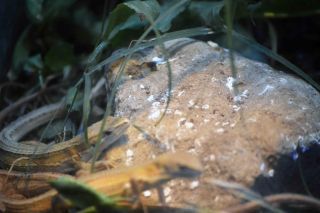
x=79, y=195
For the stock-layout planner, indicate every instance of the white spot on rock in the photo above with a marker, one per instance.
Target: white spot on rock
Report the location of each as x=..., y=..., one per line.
x=166, y=191
x=192, y=151
x=283, y=80
x=236, y=108
x=213, y=45
x=220, y=130
x=189, y=125
x=154, y=115
x=168, y=199
x=225, y=123
x=206, y=106
x=268, y=88
x=127, y=186
x=129, y=153
x=168, y=111
x=230, y=83
x=156, y=104
x=194, y=184
x=141, y=136
x=155, y=112
x=158, y=60
x=262, y=167
x=252, y=120
x=239, y=98
x=147, y=193
x=177, y=112
x=180, y=93
x=271, y=173
x=213, y=79
x=150, y=98
x=271, y=101
x=197, y=142
x=212, y=157
x=191, y=103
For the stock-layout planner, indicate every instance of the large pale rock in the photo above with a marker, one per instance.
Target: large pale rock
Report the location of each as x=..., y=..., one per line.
x=234, y=133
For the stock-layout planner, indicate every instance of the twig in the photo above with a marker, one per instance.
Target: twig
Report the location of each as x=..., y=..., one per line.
x=11, y=84
x=11, y=167
x=276, y=198
x=17, y=104
x=96, y=89
x=242, y=191
x=12, y=107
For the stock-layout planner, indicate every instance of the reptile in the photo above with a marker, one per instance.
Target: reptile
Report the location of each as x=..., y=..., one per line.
x=118, y=182
x=24, y=185
x=34, y=155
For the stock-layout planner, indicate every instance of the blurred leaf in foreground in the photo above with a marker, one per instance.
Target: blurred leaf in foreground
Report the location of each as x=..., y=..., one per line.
x=82, y=196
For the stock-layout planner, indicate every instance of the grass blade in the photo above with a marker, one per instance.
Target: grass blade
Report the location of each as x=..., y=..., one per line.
x=245, y=193
x=86, y=106
x=278, y=58
x=128, y=53
x=166, y=37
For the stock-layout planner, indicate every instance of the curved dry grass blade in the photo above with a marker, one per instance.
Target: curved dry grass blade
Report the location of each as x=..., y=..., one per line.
x=86, y=106
x=244, y=192
x=278, y=58
x=166, y=37
x=276, y=198
x=230, y=8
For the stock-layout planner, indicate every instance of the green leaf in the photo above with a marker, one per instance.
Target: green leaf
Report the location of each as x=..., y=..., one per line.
x=133, y=22
x=34, y=10
x=133, y=15
x=86, y=106
x=74, y=99
x=40, y=10
x=283, y=8
x=52, y=9
x=150, y=9
x=165, y=24
x=96, y=52
x=20, y=53
x=87, y=24
x=81, y=195
x=71, y=95
x=121, y=18
x=33, y=63
x=59, y=55
x=208, y=12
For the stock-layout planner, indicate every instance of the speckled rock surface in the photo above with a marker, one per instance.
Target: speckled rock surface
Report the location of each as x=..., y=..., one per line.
x=234, y=134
